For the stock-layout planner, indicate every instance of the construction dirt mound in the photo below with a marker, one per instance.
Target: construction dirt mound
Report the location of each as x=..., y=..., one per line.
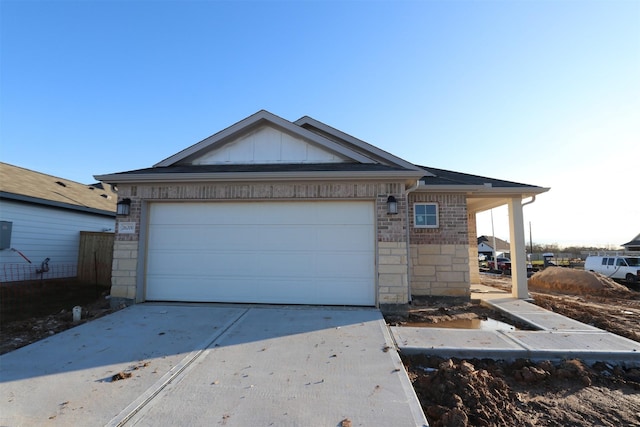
x=475, y=392
x=576, y=282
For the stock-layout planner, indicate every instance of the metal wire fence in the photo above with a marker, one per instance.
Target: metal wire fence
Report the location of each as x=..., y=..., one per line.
x=27, y=291
x=10, y=273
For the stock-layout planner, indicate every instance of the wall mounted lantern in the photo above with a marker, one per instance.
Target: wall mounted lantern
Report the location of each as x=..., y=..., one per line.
x=123, y=207
x=392, y=205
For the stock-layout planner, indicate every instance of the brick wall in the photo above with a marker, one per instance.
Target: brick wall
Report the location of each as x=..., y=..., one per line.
x=391, y=229
x=452, y=210
x=439, y=257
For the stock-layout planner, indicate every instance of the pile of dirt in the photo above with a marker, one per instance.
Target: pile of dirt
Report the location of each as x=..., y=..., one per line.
x=474, y=392
x=576, y=282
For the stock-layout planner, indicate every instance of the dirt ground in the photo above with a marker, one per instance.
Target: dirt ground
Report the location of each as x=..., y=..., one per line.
x=452, y=392
x=31, y=312
x=476, y=392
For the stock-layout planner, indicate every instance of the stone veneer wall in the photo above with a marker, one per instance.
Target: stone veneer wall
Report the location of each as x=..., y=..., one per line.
x=124, y=269
x=391, y=229
x=393, y=273
x=439, y=257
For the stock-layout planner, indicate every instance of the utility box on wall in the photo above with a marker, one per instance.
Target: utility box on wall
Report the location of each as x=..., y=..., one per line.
x=5, y=234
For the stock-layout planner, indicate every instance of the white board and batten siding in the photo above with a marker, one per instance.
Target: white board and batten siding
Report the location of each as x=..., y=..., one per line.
x=266, y=252
x=41, y=232
x=267, y=145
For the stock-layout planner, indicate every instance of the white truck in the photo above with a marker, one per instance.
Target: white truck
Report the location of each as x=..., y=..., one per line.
x=619, y=267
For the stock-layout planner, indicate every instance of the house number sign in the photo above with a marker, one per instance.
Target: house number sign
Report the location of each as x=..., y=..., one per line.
x=127, y=227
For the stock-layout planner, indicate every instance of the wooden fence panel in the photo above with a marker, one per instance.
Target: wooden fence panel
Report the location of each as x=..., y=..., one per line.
x=95, y=256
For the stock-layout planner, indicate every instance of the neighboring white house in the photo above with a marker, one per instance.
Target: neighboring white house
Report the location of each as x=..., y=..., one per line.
x=41, y=217
x=633, y=245
x=485, y=246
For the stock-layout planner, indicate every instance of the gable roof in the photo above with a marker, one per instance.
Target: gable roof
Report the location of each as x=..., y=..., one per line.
x=501, y=245
x=25, y=185
x=356, y=159
x=634, y=242
x=261, y=118
x=350, y=159
x=357, y=144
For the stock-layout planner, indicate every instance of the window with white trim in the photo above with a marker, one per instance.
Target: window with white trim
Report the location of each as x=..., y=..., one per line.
x=425, y=215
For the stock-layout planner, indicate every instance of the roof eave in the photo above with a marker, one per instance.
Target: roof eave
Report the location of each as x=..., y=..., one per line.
x=258, y=176
x=482, y=190
x=55, y=204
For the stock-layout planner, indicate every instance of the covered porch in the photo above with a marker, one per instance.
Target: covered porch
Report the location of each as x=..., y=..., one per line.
x=491, y=198
x=482, y=194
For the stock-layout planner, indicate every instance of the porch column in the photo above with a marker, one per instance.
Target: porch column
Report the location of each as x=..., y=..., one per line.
x=519, y=286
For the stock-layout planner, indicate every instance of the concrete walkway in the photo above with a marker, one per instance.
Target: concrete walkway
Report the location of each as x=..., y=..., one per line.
x=557, y=337
x=212, y=365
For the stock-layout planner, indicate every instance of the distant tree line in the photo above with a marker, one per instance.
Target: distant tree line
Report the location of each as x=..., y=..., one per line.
x=554, y=247
x=567, y=252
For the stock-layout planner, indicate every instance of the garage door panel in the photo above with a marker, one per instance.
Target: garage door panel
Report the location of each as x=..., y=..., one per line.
x=334, y=264
x=338, y=265
x=351, y=238
x=267, y=291
x=271, y=252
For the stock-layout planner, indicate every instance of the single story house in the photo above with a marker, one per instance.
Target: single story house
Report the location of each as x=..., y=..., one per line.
x=273, y=211
x=41, y=217
x=633, y=245
x=485, y=246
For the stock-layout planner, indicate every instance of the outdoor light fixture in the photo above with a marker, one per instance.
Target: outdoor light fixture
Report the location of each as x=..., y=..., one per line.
x=392, y=205
x=123, y=207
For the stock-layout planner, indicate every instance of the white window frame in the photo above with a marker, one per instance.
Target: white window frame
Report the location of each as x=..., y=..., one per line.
x=415, y=223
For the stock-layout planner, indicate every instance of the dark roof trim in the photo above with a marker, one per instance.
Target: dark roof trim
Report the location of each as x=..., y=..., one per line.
x=270, y=172
x=450, y=181
x=54, y=204
x=255, y=120
x=308, y=122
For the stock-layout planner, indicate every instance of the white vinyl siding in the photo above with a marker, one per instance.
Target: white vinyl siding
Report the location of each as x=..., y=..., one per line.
x=268, y=145
x=41, y=232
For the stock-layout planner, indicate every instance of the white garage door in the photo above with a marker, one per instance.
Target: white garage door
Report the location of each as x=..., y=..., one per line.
x=262, y=252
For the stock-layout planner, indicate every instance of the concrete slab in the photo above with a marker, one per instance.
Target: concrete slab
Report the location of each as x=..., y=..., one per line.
x=457, y=343
x=536, y=316
x=558, y=338
x=588, y=346
x=66, y=379
x=290, y=367
x=553, y=322
x=195, y=365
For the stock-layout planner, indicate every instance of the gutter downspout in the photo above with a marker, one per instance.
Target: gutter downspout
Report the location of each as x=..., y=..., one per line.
x=406, y=192
x=533, y=199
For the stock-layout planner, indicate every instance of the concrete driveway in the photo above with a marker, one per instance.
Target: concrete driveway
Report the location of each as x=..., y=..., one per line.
x=212, y=365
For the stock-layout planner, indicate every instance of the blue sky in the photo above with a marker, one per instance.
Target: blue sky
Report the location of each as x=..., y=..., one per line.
x=538, y=92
